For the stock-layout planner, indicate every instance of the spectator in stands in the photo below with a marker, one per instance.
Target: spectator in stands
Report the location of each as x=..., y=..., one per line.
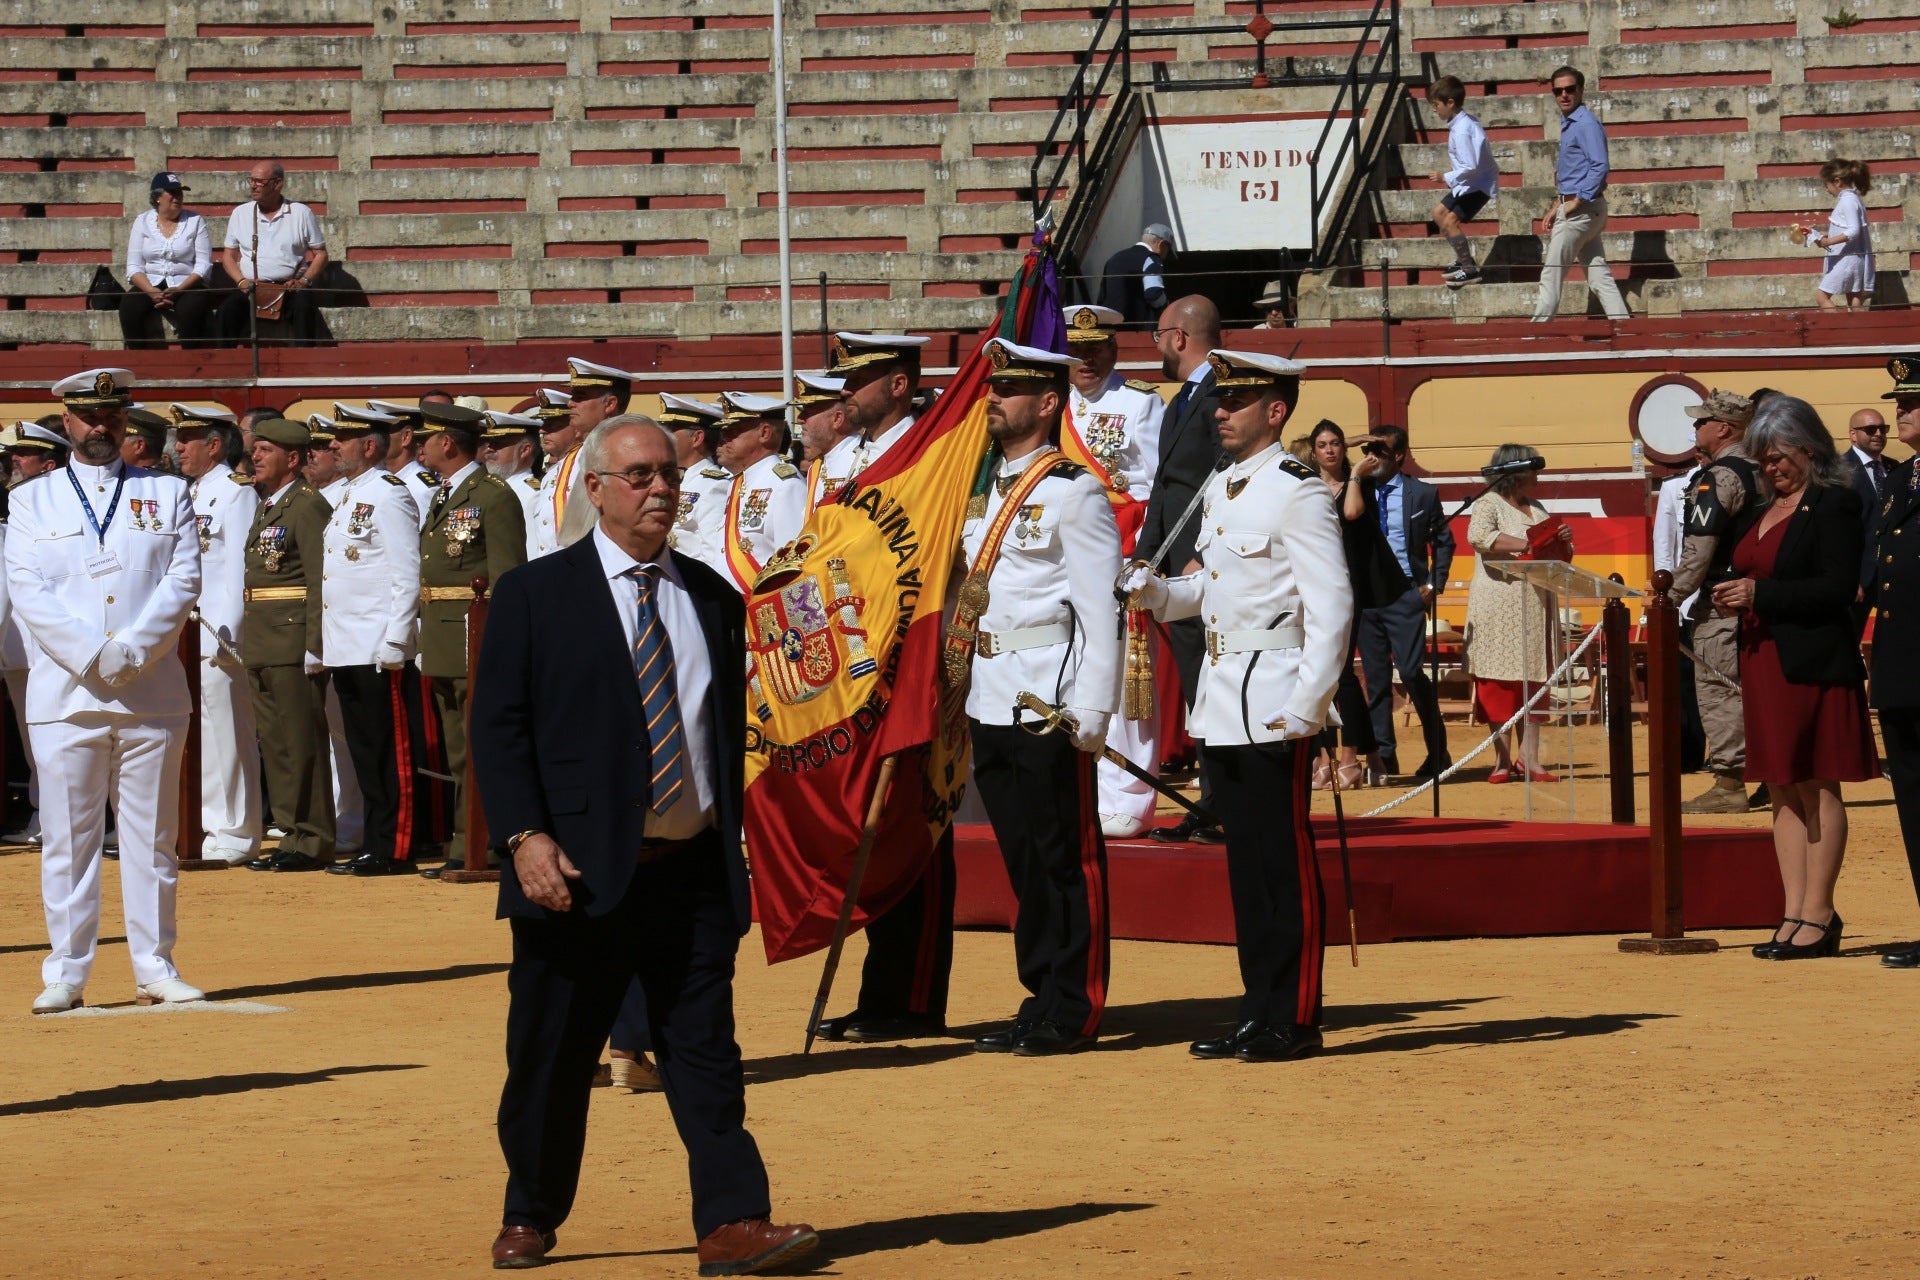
x=273, y=244
x=1133, y=283
x=1409, y=549
x=1325, y=450
x=1805, y=689
x=1512, y=629
x=1846, y=279
x=1470, y=178
x=169, y=254
x=1274, y=304
x=1578, y=214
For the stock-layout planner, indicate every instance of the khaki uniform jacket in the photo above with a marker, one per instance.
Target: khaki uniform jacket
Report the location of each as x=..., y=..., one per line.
x=479, y=529
x=286, y=548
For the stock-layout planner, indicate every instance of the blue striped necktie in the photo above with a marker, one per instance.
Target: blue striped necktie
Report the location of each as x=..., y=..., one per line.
x=659, y=697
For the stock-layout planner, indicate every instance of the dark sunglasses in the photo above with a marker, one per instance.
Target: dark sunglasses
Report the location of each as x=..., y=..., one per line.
x=1565, y=90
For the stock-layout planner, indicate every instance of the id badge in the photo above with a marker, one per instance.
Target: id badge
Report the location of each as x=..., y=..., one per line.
x=101, y=565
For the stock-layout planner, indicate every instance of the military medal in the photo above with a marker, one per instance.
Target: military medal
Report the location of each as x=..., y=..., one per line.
x=204, y=524
x=353, y=553
x=269, y=543
x=361, y=517
x=1236, y=487
x=137, y=508
x=754, y=513
x=462, y=524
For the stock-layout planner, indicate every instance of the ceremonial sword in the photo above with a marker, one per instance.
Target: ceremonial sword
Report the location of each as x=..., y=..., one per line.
x=1034, y=703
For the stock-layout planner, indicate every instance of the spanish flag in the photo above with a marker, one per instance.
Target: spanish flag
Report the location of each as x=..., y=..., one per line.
x=845, y=630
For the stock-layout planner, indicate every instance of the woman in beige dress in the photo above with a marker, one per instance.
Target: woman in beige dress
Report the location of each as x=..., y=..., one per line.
x=1511, y=628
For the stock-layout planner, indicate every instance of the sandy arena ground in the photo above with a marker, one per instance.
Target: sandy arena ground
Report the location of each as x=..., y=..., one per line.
x=1530, y=1108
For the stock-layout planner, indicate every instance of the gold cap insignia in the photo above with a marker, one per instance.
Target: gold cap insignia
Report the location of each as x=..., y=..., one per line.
x=1000, y=358
x=103, y=386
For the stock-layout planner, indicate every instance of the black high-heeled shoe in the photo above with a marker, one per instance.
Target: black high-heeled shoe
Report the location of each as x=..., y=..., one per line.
x=1828, y=944
x=1770, y=948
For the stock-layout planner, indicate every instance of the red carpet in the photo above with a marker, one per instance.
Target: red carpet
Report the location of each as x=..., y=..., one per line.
x=1422, y=878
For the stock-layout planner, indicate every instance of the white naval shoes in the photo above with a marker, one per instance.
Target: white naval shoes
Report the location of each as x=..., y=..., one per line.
x=167, y=991
x=1120, y=826
x=232, y=857
x=58, y=998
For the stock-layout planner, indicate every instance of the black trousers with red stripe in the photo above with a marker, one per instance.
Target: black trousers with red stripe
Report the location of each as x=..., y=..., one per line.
x=910, y=947
x=1039, y=794
x=373, y=715
x=1279, y=908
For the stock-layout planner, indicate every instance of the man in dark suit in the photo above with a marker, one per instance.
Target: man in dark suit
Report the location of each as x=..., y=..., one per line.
x=608, y=739
x=1867, y=430
x=1133, y=282
x=1189, y=450
x=1892, y=585
x=1412, y=552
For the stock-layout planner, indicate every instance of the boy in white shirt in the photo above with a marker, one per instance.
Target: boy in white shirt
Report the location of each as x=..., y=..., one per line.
x=1470, y=177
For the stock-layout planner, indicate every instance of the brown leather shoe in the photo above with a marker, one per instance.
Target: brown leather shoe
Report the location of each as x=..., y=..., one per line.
x=754, y=1244
x=521, y=1247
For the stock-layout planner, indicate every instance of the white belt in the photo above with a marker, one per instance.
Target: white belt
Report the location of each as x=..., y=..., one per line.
x=993, y=643
x=1291, y=636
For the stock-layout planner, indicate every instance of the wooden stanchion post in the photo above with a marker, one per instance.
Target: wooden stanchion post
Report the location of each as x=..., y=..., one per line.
x=474, y=856
x=189, y=834
x=1619, y=708
x=1663, y=781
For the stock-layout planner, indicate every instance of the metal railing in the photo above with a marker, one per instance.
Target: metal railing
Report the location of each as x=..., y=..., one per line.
x=1085, y=159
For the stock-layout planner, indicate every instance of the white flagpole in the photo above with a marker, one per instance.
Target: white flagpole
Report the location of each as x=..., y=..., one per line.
x=780, y=163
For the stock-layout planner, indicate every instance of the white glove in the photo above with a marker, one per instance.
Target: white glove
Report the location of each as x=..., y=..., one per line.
x=1146, y=587
x=314, y=666
x=1089, y=728
x=1292, y=726
x=116, y=664
x=223, y=653
x=391, y=657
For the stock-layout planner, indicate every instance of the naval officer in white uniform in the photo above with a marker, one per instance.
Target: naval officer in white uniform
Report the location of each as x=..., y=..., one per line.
x=565, y=515
x=103, y=567
x=1271, y=586
x=1043, y=555
x=207, y=443
x=767, y=502
x=699, y=523
x=880, y=375
x=368, y=613
x=509, y=443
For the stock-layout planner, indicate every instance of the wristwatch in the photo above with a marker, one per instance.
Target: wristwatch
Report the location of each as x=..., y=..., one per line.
x=517, y=839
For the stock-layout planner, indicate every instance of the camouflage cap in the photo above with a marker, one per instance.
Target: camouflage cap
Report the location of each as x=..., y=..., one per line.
x=1723, y=406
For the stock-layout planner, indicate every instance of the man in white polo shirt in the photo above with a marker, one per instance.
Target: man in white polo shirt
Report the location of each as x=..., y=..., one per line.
x=269, y=239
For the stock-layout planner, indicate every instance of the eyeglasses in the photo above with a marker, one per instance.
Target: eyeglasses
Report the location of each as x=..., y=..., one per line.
x=1173, y=329
x=1565, y=90
x=261, y=182
x=643, y=477
x=1877, y=429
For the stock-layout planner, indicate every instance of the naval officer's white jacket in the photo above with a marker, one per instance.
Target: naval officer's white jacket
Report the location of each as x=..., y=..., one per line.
x=371, y=585
x=1056, y=568
x=1271, y=558
x=837, y=466
x=700, y=524
x=224, y=503
x=1121, y=427
x=73, y=595
x=771, y=507
x=546, y=534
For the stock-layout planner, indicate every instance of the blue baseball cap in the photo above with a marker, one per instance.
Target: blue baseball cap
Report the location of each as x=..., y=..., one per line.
x=168, y=182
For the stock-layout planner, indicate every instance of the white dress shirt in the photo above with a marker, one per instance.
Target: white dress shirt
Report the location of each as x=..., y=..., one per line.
x=75, y=590
x=692, y=813
x=1670, y=526
x=166, y=261
x=285, y=237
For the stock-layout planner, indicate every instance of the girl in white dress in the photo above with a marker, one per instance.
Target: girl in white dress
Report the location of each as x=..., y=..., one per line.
x=1847, y=278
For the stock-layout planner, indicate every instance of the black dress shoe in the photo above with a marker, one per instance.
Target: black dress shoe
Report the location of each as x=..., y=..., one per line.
x=1280, y=1044
x=433, y=873
x=1228, y=1045
x=1431, y=767
x=293, y=861
x=262, y=863
x=830, y=1028
x=1188, y=829
x=1049, y=1039
x=1907, y=957
x=1003, y=1040
x=378, y=866
x=867, y=1028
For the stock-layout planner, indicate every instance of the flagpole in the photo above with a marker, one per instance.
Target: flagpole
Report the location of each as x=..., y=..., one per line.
x=860, y=858
x=786, y=237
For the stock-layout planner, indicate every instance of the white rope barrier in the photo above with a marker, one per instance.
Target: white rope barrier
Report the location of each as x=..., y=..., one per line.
x=1545, y=687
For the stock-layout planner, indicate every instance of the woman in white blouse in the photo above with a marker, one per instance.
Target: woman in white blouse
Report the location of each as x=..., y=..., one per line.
x=168, y=256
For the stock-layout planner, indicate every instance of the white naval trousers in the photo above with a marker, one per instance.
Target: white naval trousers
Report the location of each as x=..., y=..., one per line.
x=16, y=678
x=349, y=806
x=1122, y=794
x=84, y=763
x=229, y=766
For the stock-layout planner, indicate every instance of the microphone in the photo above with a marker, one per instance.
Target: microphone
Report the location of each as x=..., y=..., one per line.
x=1513, y=468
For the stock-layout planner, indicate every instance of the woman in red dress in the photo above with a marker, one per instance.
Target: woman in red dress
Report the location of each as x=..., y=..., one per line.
x=1803, y=685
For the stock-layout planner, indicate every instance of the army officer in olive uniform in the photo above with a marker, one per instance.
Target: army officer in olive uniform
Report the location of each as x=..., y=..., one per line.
x=474, y=528
x=280, y=640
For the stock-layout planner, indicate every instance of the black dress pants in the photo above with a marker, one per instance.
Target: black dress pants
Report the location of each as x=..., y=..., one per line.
x=910, y=946
x=1394, y=638
x=1187, y=637
x=191, y=310
x=674, y=930
x=1039, y=794
x=373, y=716
x=301, y=311
x=1900, y=738
x=1279, y=907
